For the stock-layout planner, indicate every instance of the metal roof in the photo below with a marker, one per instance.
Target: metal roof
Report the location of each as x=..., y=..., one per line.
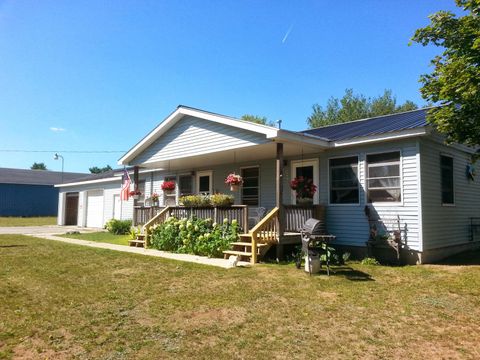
x=36, y=177
x=372, y=126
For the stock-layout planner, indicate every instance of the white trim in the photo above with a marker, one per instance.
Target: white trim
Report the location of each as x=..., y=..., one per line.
x=384, y=203
x=179, y=113
x=381, y=137
x=199, y=174
x=358, y=180
x=316, y=176
x=110, y=179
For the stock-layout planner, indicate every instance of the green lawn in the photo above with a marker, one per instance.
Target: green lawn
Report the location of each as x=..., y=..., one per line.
x=62, y=301
x=101, y=236
x=28, y=221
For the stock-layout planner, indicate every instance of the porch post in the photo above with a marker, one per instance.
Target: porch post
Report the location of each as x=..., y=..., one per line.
x=279, y=198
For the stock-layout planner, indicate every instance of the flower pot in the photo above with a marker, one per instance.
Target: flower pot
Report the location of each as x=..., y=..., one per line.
x=168, y=192
x=234, y=187
x=135, y=197
x=155, y=203
x=304, y=201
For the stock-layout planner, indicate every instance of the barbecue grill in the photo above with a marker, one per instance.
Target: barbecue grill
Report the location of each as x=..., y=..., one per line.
x=315, y=242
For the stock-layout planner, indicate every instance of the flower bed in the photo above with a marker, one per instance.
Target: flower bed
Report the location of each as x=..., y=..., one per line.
x=194, y=236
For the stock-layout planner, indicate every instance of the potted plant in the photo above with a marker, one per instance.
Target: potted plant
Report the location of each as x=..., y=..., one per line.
x=234, y=180
x=304, y=188
x=168, y=186
x=154, y=199
x=135, y=194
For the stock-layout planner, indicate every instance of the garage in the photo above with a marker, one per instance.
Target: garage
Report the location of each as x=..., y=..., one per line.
x=95, y=208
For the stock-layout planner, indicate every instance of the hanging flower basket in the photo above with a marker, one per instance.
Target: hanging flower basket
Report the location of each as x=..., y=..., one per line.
x=154, y=199
x=168, y=186
x=304, y=188
x=135, y=194
x=234, y=180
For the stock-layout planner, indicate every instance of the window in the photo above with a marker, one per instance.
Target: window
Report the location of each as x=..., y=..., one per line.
x=344, y=180
x=185, y=185
x=204, y=182
x=250, y=188
x=141, y=188
x=383, y=177
x=446, y=168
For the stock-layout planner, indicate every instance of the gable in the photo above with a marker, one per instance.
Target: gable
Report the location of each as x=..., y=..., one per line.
x=192, y=136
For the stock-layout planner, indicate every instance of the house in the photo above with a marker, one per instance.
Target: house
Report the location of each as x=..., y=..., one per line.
x=30, y=192
x=394, y=169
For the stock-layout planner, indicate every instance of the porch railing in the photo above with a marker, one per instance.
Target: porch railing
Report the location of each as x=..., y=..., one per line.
x=142, y=214
x=296, y=215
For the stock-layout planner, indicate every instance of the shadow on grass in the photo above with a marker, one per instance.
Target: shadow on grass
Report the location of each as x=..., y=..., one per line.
x=12, y=246
x=351, y=274
x=465, y=258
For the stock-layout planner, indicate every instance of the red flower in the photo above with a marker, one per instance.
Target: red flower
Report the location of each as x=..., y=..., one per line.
x=168, y=185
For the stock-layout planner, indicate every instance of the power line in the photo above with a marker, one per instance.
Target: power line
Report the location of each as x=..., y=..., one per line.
x=65, y=151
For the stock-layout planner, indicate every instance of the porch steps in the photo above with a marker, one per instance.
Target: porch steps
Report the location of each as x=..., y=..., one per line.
x=138, y=242
x=243, y=249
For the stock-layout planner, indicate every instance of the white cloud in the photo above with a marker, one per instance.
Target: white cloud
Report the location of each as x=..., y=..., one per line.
x=57, y=129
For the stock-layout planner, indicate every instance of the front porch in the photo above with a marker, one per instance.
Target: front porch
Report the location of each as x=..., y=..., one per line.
x=253, y=242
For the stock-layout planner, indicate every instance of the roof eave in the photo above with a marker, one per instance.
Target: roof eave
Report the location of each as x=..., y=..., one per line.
x=394, y=135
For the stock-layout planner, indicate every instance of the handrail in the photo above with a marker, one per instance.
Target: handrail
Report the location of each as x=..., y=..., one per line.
x=160, y=217
x=265, y=231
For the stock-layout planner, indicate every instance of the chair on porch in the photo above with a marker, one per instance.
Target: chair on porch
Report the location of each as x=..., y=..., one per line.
x=255, y=214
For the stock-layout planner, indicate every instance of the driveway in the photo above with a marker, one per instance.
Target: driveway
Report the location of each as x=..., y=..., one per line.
x=37, y=230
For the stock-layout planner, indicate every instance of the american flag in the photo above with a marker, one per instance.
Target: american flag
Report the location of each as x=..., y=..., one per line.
x=125, y=192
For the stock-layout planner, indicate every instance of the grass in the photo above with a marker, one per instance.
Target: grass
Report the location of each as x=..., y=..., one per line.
x=28, y=221
x=66, y=301
x=101, y=236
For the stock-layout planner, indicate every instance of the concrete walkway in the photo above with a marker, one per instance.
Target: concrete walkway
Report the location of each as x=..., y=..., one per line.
x=44, y=229
x=223, y=263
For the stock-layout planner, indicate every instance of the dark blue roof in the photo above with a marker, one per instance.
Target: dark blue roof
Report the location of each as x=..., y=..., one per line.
x=372, y=126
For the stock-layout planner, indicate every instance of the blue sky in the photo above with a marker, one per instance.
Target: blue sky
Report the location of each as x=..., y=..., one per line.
x=98, y=75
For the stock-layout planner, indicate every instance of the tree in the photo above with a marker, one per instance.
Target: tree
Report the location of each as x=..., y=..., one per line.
x=38, y=166
x=455, y=81
x=262, y=120
x=356, y=106
x=97, y=170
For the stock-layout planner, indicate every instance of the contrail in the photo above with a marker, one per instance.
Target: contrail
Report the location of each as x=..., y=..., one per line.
x=287, y=34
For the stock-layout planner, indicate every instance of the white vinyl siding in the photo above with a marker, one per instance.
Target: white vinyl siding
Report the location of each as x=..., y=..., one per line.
x=194, y=136
x=447, y=225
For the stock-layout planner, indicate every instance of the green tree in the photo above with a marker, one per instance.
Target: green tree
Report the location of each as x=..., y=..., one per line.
x=356, y=106
x=262, y=120
x=97, y=170
x=455, y=80
x=38, y=166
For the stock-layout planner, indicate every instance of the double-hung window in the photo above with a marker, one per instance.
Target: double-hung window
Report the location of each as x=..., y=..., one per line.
x=383, y=177
x=446, y=168
x=185, y=185
x=344, y=187
x=250, y=188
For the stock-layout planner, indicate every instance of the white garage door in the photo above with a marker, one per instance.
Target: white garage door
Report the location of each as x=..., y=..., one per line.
x=95, y=208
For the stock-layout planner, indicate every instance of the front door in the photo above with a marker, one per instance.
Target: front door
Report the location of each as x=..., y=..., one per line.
x=309, y=170
x=71, y=209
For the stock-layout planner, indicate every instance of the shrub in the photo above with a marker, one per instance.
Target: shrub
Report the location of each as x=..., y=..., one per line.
x=222, y=200
x=118, y=227
x=194, y=236
x=370, y=261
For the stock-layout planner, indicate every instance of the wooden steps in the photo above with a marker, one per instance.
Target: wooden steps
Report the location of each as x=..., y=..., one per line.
x=138, y=242
x=243, y=248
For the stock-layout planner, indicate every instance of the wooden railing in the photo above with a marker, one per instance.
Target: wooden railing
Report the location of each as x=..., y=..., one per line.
x=142, y=214
x=266, y=231
x=296, y=215
x=157, y=219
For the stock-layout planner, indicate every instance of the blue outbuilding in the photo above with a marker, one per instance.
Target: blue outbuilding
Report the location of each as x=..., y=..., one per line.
x=31, y=192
